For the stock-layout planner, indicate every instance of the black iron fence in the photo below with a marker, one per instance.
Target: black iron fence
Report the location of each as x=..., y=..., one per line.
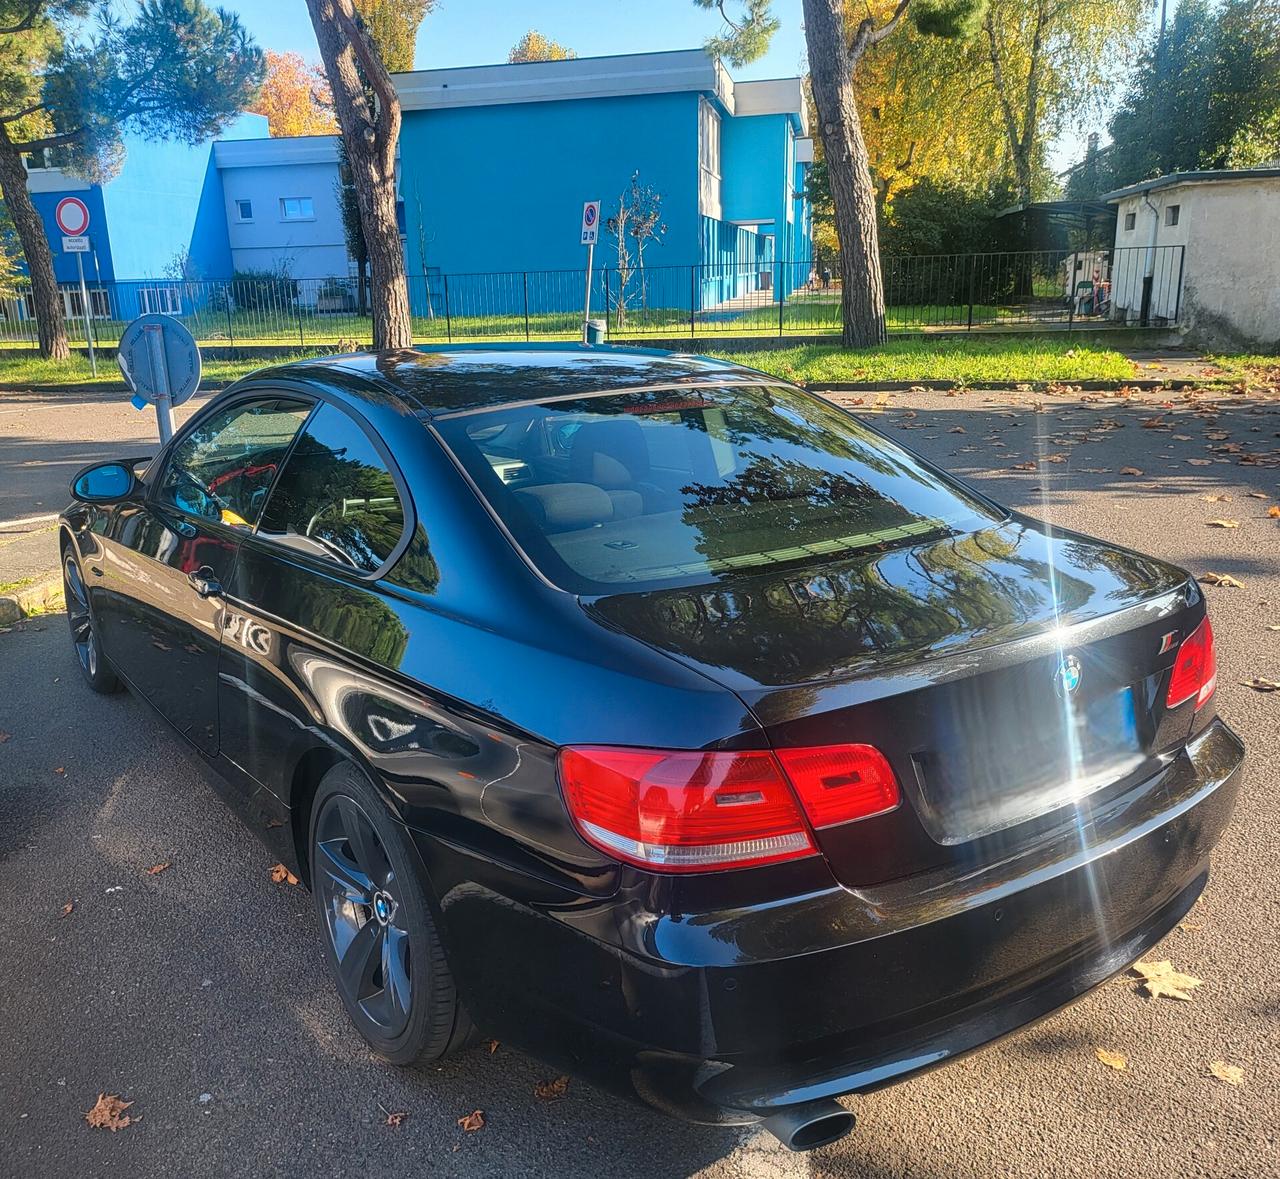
x=1054, y=290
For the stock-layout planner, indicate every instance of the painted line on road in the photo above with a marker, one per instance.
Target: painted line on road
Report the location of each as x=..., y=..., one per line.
x=27, y=521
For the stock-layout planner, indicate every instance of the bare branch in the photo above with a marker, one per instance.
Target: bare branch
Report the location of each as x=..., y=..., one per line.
x=22, y=114
x=892, y=23
x=25, y=23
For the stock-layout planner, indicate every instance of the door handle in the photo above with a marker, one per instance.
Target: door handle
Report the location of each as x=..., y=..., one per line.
x=205, y=582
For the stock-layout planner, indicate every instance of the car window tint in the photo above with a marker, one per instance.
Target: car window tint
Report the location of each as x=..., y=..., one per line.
x=223, y=469
x=639, y=490
x=335, y=498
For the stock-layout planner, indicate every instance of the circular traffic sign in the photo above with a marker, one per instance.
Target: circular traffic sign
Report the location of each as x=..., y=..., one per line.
x=72, y=216
x=158, y=354
x=589, y=216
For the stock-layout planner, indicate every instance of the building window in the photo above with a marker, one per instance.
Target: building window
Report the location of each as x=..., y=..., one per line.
x=165, y=300
x=73, y=305
x=297, y=209
x=244, y=210
x=1130, y=220
x=708, y=159
x=46, y=157
x=1171, y=214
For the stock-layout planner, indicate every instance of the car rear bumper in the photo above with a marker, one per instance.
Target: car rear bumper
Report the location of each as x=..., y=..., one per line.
x=730, y=1016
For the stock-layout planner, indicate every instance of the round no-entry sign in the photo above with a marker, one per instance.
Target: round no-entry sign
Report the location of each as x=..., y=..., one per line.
x=72, y=216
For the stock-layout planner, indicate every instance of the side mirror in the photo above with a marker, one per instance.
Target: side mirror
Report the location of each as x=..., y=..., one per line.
x=104, y=483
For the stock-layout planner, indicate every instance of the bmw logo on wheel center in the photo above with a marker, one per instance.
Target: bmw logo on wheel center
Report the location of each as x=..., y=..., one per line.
x=1068, y=674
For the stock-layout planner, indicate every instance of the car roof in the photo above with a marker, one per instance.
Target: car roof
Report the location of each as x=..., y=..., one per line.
x=438, y=381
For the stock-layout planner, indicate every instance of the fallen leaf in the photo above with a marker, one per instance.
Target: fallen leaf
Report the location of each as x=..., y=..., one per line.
x=281, y=875
x=1130, y=471
x=1113, y=1060
x=274, y=823
x=3, y=736
x=66, y=910
x=1257, y=495
x=1156, y=423
x=108, y=1113
x=156, y=869
x=1160, y=978
x=473, y=1121
x=397, y=1118
x=1199, y=462
x=1221, y=579
x=1258, y=684
x=493, y=1047
x=1224, y=523
x=1231, y=1073
x=956, y=430
x=1024, y=466
x=1273, y=626
x=550, y=1090
x=1274, y=511
x=59, y=769
x=1217, y=499
x=1181, y=437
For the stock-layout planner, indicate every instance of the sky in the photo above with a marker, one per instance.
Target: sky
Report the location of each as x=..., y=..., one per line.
x=479, y=32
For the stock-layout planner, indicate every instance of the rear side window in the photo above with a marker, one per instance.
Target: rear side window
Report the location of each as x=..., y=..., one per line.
x=640, y=490
x=336, y=499
x=223, y=468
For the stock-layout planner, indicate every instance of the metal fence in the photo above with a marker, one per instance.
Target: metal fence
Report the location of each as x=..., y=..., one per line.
x=1053, y=290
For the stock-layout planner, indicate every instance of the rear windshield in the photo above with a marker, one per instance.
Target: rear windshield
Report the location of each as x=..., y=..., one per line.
x=639, y=490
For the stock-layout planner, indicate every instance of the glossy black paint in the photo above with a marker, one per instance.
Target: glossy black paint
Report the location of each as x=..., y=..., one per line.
x=452, y=678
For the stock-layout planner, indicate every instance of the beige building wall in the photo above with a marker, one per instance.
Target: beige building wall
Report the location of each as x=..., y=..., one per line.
x=1230, y=231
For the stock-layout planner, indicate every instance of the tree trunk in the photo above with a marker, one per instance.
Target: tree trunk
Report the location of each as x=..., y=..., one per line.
x=51, y=327
x=368, y=111
x=853, y=194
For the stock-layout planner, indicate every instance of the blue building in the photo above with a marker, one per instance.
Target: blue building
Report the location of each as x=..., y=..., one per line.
x=496, y=162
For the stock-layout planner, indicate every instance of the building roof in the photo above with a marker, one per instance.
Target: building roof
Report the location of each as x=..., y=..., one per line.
x=285, y=149
x=1174, y=178
x=442, y=380
x=670, y=72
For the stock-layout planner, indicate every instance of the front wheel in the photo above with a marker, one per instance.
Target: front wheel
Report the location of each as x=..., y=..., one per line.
x=94, y=667
x=380, y=939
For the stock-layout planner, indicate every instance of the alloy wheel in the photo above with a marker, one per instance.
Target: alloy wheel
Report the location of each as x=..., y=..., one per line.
x=83, y=637
x=364, y=917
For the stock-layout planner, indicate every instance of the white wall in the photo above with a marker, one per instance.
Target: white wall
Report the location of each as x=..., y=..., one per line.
x=1231, y=272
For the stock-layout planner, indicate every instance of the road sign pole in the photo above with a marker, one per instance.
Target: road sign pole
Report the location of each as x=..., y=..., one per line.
x=160, y=375
x=586, y=300
x=88, y=321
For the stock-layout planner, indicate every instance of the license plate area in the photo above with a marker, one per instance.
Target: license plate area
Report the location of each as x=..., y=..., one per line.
x=1001, y=759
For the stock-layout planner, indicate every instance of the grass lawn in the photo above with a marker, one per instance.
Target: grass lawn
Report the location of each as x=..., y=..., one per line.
x=968, y=360
x=27, y=372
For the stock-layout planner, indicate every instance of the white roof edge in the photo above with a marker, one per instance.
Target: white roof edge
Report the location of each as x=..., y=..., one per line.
x=264, y=153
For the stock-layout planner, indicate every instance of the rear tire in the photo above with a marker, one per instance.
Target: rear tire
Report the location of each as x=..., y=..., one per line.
x=95, y=669
x=380, y=939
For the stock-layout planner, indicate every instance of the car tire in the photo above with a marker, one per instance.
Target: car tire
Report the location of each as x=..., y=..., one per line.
x=85, y=642
x=380, y=938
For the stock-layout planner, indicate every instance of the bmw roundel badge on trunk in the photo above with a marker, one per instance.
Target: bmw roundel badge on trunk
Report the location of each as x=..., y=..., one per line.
x=1068, y=675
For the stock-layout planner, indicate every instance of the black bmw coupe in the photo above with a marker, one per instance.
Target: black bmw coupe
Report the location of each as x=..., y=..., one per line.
x=658, y=717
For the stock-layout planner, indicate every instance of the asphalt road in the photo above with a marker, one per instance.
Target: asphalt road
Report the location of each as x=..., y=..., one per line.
x=199, y=993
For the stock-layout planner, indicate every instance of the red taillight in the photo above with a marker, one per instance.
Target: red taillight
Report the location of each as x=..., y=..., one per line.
x=685, y=811
x=1195, y=670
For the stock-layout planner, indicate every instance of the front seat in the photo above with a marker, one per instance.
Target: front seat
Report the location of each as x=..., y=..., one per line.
x=613, y=455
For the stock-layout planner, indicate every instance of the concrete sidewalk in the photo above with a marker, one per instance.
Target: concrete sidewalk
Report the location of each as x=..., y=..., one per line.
x=30, y=579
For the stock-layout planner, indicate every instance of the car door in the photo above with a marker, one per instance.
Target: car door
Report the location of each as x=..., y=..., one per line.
x=167, y=558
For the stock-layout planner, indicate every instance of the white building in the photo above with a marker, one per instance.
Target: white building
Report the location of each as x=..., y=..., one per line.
x=1227, y=224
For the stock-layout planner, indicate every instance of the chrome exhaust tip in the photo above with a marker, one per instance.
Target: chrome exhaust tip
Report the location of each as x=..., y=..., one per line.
x=808, y=1126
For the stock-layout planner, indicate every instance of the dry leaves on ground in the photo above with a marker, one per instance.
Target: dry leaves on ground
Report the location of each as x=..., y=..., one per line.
x=281, y=875
x=397, y=1118
x=473, y=1121
x=108, y=1113
x=66, y=910
x=492, y=1046
x=3, y=736
x=956, y=430
x=156, y=869
x=1115, y=1060
x=1274, y=511
x=550, y=1090
x=1231, y=1073
x=1023, y=467
x=1221, y=579
x=1130, y=471
x=1217, y=499
x=1258, y=684
x=1224, y=523
x=1199, y=462
x=1160, y=978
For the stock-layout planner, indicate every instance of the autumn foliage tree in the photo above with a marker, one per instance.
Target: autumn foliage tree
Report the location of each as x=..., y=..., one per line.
x=533, y=46
x=75, y=76
x=295, y=97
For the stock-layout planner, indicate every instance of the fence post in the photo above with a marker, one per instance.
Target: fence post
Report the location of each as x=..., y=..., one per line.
x=973, y=266
x=608, y=319
x=448, y=325
x=226, y=302
x=297, y=302
x=1177, y=299
x=778, y=286
x=693, y=299
x=525, y=276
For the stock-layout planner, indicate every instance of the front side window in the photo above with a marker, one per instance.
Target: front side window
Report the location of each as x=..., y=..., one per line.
x=223, y=469
x=336, y=499
x=684, y=486
x=297, y=208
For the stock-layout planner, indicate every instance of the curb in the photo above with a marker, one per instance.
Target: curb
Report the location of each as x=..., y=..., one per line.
x=30, y=600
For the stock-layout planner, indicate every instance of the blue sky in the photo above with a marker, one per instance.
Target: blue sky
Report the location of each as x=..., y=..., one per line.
x=475, y=32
